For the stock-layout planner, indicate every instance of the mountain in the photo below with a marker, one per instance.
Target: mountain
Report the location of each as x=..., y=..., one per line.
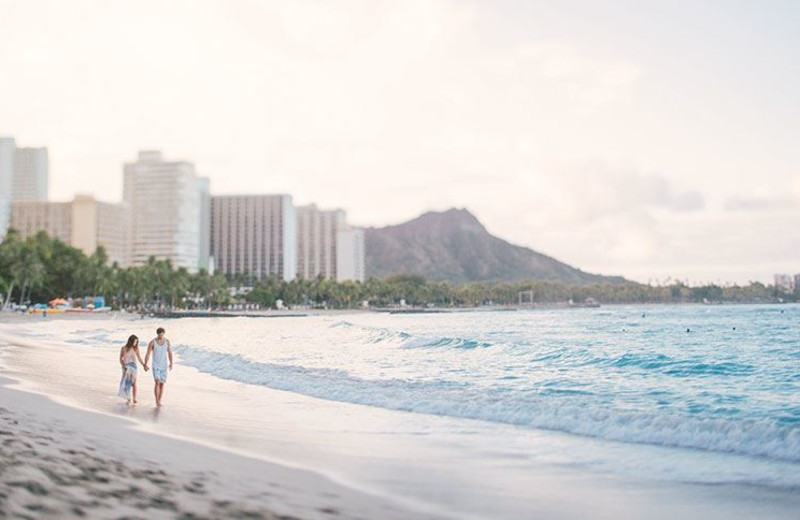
x=453, y=245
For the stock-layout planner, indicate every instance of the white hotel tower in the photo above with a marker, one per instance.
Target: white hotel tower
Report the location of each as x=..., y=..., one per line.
x=7, y=149
x=23, y=177
x=166, y=214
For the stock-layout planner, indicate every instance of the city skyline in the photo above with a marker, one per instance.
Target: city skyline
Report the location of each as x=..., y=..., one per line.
x=645, y=160
x=354, y=265
x=168, y=212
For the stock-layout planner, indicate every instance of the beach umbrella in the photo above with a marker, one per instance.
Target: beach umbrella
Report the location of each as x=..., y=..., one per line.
x=58, y=301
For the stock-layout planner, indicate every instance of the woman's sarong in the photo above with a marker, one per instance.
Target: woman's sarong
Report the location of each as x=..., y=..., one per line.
x=126, y=383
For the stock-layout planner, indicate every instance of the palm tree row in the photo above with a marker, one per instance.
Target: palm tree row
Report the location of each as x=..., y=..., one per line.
x=40, y=268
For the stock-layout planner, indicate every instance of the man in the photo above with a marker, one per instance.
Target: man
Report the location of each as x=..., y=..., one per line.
x=161, y=349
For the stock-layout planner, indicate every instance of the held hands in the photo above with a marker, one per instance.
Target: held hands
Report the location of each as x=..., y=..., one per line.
x=170, y=367
x=146, y=368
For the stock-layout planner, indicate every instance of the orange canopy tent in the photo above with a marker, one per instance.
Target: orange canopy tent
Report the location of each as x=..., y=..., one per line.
x=58, y=301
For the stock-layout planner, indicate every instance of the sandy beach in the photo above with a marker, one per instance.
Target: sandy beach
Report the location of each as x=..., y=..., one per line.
x=60, y=462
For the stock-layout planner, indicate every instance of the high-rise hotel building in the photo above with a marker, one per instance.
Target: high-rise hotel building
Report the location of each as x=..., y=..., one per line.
x=166, y=212
x=254, y=235
x=23, y=177
x=83, y=223
x=204, y=184
x=327, y=246
x=350, y=254
x=7, y=149
x=316, y=241
x=30, y=174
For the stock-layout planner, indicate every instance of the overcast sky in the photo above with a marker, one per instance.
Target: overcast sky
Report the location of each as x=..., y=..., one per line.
x=650, y=139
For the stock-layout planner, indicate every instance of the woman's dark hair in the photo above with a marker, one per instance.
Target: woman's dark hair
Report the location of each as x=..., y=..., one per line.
x=160, y=330
x=131, y=342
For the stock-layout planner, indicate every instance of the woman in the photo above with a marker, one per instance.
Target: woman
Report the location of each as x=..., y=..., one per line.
x=128, y=355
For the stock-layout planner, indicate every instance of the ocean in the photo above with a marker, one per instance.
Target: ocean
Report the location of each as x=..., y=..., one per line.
x=486, y=413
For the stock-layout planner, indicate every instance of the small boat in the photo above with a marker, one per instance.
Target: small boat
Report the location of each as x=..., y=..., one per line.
x=587, y=303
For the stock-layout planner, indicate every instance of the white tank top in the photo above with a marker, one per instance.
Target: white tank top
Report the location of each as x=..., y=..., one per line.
x=160, y=354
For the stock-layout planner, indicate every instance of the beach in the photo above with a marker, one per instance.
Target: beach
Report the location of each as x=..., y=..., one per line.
x=62, y=462
x=59, y=461
x=374, y=416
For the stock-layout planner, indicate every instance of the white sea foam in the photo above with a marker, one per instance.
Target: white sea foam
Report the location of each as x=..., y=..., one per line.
x=536, y=409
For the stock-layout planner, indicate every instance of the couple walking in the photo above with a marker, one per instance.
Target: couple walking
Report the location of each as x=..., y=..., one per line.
x=161, y=350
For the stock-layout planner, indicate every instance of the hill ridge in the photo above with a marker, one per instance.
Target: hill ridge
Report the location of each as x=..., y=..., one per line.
x=454, y=245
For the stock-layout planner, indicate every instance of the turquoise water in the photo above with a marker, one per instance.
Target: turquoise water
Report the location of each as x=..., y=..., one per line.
x=718, y=378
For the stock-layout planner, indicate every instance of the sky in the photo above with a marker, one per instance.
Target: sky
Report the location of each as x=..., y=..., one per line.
x=658, y=140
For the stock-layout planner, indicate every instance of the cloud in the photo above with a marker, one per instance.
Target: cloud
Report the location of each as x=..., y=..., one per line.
x=625, y=239
x=757, y=204
x=785, y=198
x=654, y=191
x=589, y=78
x=599, y=189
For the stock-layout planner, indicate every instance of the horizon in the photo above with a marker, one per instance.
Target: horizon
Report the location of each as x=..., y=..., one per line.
x=642, y=142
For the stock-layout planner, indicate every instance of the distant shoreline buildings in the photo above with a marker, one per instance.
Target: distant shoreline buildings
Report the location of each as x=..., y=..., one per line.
x=84, y=223
x=168, y=212
x=787, y=283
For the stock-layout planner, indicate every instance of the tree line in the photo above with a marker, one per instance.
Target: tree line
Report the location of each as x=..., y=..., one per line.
x=40, y=268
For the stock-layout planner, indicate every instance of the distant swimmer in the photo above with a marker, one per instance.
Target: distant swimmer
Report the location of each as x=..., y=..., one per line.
x=687, y=330
x=734, y=328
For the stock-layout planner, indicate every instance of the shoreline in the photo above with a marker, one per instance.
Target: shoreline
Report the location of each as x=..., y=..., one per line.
x=60, y=461
x=13, y=316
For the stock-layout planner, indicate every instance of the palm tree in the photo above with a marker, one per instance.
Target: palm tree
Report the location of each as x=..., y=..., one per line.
x=29, y=270
x=10, y=262
x=180, y=283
